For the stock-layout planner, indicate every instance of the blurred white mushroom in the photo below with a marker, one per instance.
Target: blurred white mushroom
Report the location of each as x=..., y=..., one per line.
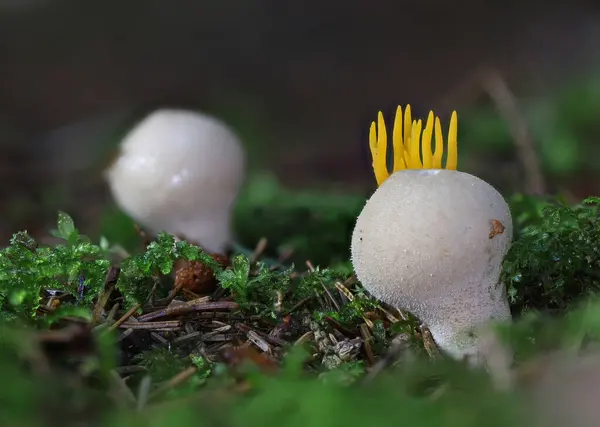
x=180, y=171
x=431, y=240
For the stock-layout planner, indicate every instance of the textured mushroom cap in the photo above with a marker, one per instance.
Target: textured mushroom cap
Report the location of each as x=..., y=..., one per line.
x=424, y=242
x=180, y=171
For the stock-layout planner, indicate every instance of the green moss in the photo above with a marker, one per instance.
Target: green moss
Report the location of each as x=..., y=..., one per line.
x=316, y=226
x=553, y=264
x=555, y=259
x=75, y=267
x=141, y=272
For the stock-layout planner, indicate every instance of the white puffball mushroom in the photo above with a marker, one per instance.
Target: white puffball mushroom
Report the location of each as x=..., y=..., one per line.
x=179, y=171
x=422, y=243
x=431, y=241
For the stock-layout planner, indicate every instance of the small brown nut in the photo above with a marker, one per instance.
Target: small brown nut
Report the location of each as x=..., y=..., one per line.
x=197, y=277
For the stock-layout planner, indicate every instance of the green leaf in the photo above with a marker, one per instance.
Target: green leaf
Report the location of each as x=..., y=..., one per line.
x=66, y=226
x=236, y=278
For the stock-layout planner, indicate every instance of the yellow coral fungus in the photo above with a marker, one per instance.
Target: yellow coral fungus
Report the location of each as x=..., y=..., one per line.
x=412, y=148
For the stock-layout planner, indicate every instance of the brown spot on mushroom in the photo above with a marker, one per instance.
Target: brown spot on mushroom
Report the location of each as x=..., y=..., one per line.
x=497, y=228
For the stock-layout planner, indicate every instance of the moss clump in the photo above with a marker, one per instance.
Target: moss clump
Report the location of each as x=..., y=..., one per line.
x=75, y=269
x=316, y=226
x=268, y=305
x=555, y=259
x=273, y=343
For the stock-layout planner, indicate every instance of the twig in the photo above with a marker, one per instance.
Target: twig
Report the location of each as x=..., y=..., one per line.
x=124, y=318
x=260, y=339
x=178, y=379
x=337, y=325
x=120, y=390
x=156, y=337
x=112, y=276
x=125, y=334
x=429, y=342
x=399, y=346
x=113, y=311
x=171, y=295
x=307, y=336
x=155, y=326
x=189, y=308
x=465, y=92
x=278, y=306
x=507, y=106
x=186, y=337
x=298, y=305
x=213, y=315
x=285, y=255
x=367, y=338
x=258, y=250
x=312, y=270
x=215, y=335
x=283, y=328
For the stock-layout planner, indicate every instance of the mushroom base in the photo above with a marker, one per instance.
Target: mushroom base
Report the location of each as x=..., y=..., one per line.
x=472, y=342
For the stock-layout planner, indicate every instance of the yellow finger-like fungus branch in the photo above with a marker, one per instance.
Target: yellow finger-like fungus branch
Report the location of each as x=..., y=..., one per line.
x=412, y=143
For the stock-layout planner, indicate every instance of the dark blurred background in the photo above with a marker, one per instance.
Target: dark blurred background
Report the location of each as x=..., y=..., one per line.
x=300, y=81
